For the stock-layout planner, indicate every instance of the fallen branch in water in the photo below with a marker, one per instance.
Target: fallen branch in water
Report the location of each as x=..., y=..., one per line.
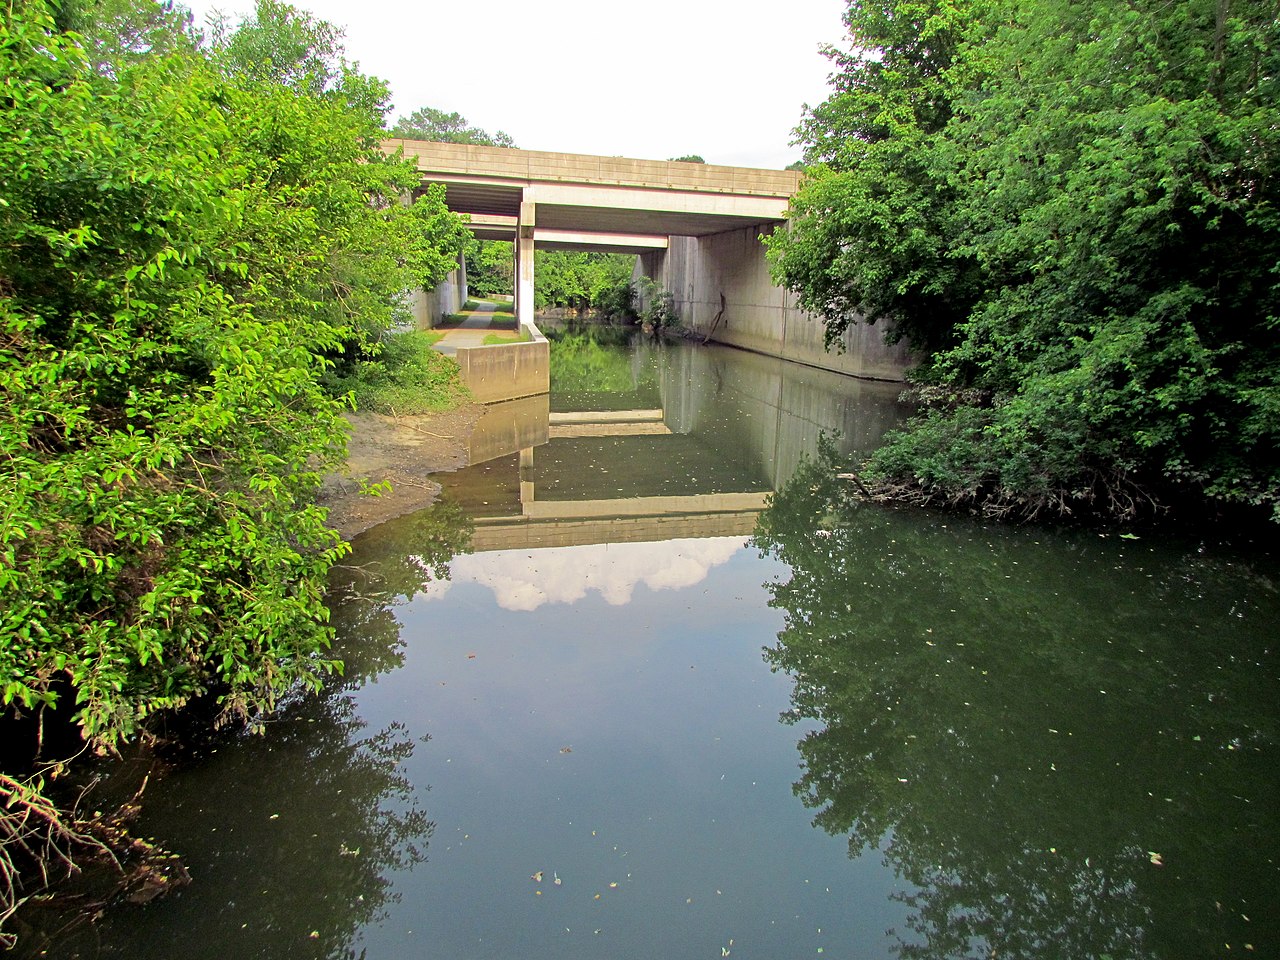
x=857, y=482
x=42, y=844
x=36, y=839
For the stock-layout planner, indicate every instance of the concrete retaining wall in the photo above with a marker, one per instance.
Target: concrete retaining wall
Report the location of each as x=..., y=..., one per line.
x=507, y=371
x=429, y=306
x=759, y=316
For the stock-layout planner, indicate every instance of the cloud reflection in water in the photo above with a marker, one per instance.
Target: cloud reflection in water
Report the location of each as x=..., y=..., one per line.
x=524, y=580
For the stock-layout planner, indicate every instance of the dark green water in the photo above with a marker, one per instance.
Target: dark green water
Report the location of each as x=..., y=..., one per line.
x=587, y=715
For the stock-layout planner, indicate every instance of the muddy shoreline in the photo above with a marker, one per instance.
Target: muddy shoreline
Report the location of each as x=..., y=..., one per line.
x=403, y=451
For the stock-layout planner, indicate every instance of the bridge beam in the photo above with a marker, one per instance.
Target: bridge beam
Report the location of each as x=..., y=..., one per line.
x=485, y=226
x=603, y=242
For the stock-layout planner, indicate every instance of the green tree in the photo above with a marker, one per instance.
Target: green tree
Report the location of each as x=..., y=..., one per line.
x=377, y=258
x=428, y=123
x=490, y=267
x=690, y=158
x=873, y=228
x=118, y=32
x=186, y=243
x=282, y=46
x=584, y=280
x=1070, y=206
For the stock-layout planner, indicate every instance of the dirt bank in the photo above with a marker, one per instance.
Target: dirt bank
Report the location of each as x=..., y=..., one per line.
x=403, y=451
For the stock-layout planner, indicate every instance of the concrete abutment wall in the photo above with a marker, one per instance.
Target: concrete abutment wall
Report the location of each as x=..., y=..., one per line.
x=507, y=371
x=758, y=315
x=430, y=306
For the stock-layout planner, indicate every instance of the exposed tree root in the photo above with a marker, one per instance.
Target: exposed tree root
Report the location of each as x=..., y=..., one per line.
x=42, y=844
x=1113, y=495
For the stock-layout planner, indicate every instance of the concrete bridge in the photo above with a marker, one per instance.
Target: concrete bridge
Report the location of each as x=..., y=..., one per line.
x=695, y=229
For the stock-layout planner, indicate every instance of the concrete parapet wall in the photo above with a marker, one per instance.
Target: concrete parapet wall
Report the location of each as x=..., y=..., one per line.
x=546, y=166
x=507, y=371
x=759, y=316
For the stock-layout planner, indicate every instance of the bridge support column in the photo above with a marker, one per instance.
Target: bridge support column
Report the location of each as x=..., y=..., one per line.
x=464, y=293
x=524, y=263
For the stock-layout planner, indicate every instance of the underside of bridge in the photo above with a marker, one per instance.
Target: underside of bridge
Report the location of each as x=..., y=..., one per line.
x=695, y=229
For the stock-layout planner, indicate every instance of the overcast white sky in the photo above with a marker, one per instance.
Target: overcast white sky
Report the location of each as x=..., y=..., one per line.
x=726, y=79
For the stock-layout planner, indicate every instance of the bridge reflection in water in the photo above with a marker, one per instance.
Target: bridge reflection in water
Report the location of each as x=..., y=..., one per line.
x=719, y=430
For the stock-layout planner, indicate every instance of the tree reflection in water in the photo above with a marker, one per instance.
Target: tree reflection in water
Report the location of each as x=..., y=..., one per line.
x=588, y=372
x=295, y=835
x=1062, y=741
x=389, y=566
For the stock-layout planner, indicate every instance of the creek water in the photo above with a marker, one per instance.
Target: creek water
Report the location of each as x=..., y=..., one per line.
x=597, y=705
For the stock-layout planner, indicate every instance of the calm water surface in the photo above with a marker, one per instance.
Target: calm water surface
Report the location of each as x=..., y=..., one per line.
x=586, y=715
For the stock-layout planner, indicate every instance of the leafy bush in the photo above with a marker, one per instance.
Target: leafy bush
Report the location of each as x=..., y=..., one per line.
x=405, y=376
x=185, y=246
x=617, y=303
x=1099, y=256
x=658, y=307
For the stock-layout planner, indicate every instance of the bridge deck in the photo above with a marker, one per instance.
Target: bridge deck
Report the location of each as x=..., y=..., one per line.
x=610, y=195
x=505, y=164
